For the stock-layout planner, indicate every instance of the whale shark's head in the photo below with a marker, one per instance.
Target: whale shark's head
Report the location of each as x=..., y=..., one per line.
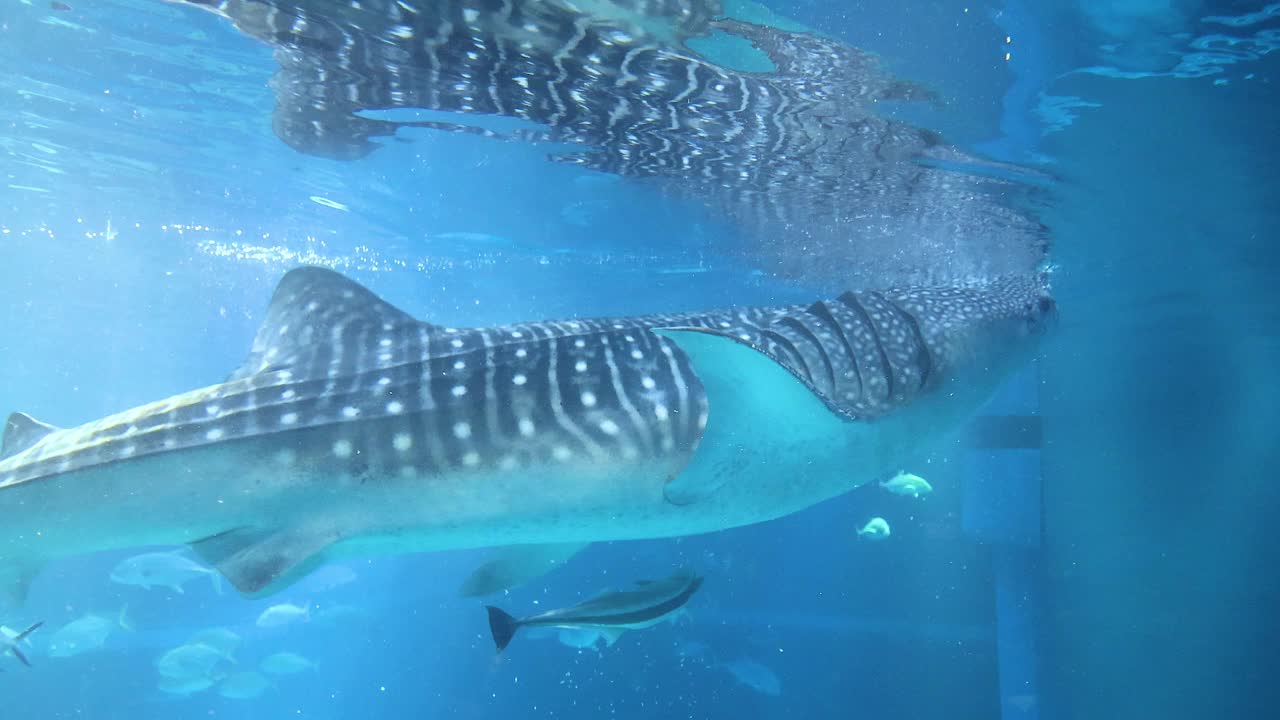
x=977, y=336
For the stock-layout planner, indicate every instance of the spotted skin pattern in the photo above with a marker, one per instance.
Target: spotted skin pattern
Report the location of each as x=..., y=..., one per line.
x=332, y=355
x=355, y=428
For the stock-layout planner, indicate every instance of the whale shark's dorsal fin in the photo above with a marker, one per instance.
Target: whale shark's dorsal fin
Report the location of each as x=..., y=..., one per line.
x=311, y=310
x=21, y=432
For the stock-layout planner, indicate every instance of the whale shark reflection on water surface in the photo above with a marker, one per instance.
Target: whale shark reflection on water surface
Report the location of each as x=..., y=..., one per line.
x=781, y=131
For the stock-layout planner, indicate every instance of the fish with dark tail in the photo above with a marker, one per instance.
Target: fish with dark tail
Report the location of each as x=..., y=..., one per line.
x=354, y=429
x=607, y=615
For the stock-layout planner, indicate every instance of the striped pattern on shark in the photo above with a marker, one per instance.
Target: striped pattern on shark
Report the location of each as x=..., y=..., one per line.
x=801, y=145
x=352, y=424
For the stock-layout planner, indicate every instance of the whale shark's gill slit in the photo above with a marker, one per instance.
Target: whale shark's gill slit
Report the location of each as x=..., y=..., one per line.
x=852, y=301
x=820, y=349
x=822, y=314
x=923, y=358
x=781, y=342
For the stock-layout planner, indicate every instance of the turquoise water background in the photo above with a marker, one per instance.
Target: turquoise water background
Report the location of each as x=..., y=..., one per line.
x=147, y=210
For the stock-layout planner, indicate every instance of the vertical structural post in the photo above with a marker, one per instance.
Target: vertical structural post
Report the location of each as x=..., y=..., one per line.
x=1001, y=508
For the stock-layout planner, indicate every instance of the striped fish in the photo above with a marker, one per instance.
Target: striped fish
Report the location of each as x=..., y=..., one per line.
x=355, y=429
x=607, y=615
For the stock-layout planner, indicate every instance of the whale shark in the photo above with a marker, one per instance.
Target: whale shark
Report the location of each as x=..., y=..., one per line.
x=355, y=429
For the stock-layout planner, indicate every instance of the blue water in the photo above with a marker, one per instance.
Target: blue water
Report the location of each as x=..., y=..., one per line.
x=1122, y=565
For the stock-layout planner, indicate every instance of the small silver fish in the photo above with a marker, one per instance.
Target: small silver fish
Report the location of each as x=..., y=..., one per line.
x=86, y=633
x=192, y=660
x=162, y=569
x=218, y=638
x=875, y=529
x=284, y=614
x=904, y=483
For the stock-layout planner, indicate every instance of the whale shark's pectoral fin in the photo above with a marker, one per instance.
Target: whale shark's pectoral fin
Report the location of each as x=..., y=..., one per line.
x=21, y=432
x=515, y=565
x=258, y=560
x=752, y=402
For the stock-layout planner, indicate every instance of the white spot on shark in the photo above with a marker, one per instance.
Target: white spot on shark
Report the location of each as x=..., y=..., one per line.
x=288, y=395
x=289, y=418
x=648, y=382
x=609, y=427
x=660, y=412
x=526, y=427
x=350, y=412
x=580, y=366
x=519, y=379
x=215, y=435
x=561, y=453
x=395, y=407
x=471, y=459
x=342, y=448
x=462, y=430
x=588, y=399
x=402, y=442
